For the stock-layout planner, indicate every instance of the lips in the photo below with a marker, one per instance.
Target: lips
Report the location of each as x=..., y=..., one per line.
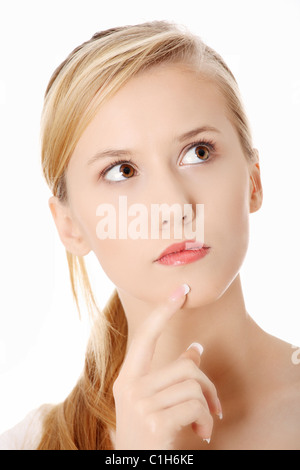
x=183, y=246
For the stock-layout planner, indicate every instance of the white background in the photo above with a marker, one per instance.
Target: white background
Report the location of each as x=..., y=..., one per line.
x=42, y=341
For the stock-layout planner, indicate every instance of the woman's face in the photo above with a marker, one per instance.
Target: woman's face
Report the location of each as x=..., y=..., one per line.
x=148, y=118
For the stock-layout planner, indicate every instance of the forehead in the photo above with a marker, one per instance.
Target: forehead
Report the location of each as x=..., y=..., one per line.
x=157, y=104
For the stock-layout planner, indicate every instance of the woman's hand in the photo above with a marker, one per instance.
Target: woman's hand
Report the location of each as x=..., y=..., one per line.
x=152, y=407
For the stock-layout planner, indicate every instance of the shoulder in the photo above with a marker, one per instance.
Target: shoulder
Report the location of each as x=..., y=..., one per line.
x=26, y=434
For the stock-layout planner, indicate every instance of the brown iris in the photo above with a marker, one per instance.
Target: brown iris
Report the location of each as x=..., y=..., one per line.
x=202, y=152
x=127, y=170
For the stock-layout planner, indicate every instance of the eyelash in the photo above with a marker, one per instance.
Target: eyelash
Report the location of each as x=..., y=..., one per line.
x=114, y=163
x=210, y=144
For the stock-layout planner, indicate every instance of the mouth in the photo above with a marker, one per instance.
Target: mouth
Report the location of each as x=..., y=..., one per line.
x=183, y=253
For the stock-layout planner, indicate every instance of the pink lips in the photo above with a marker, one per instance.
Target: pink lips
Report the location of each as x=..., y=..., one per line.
x=183, y=253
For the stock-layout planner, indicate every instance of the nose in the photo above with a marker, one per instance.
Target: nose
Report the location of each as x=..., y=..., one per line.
x=176, y=221
x=182, y=215
x=173, y=208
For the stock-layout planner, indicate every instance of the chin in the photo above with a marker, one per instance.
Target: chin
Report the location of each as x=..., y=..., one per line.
x=207, y=293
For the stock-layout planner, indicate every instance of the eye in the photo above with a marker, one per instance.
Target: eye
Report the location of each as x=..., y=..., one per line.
x=197, y=153
x=119, y=172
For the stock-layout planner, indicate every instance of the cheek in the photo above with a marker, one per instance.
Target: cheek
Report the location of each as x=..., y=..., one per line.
x=125, y=264
x=228, y=218
x=120, y=259
x=237, y=203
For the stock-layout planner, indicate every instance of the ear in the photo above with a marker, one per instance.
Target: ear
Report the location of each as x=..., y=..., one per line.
x=255, y=190
x=68, y=230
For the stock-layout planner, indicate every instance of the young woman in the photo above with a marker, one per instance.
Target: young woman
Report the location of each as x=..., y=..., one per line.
x=151, y=114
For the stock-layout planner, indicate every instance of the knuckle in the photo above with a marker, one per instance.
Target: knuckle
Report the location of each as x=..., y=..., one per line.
x=124, y=392
x=209, y=422
x=214, y=390
x=194, y=386
x=141, y=407
x=196, y=406
x=210, y=386
x=185, y=361
x=208, y=419
x=207, y=384
x=153, y=423
x=129, y=394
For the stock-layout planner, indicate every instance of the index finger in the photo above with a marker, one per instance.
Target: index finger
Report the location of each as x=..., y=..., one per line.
x=141, y=350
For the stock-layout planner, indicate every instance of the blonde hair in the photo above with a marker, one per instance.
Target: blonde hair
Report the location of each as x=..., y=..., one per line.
x=91, y=74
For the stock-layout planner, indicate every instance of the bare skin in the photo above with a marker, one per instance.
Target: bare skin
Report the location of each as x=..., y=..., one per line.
x=250, y=372
x=260, y=409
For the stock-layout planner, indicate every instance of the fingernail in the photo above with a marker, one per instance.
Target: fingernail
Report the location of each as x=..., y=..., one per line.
x=206, y=440
x=220, y=412
x=197, y=346
x=180, y=291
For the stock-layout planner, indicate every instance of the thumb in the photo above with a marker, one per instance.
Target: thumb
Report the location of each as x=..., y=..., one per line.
x=194, y=352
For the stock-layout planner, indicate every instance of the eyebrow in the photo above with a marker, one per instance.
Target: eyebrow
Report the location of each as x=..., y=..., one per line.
x=123, y=152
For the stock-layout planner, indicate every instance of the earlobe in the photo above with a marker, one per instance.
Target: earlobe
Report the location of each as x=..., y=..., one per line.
x=256, y=191
x=68, y=231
